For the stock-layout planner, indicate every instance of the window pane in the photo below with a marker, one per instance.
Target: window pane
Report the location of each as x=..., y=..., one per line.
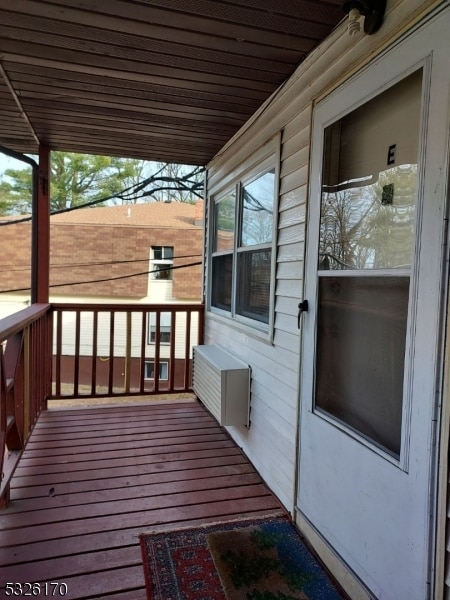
x=224, y=223
x=164, y=337
x=167, y=252
x=162, y=272
x=164, y=327
x=164, y=370
x=165, y=319
x=157, y=252
x=257, y=210
x=149, y=372
x=370, y=182
x=222, y=277
x=361, y=354
x=254, y=284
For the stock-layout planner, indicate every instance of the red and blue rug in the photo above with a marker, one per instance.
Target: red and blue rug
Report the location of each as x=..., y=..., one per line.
x=258, y=559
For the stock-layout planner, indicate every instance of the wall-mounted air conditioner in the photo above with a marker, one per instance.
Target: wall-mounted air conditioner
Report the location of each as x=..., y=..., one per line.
x=222, y=384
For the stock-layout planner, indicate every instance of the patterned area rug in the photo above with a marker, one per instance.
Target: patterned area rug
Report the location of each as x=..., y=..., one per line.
x=258, y=559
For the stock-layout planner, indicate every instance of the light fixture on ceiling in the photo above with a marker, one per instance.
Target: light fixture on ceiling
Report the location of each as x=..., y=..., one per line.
x=371, y=10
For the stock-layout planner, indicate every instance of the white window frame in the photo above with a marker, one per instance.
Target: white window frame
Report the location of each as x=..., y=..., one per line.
x=165, y=317
x=165, y=262
x=162, y=363
x=265, y=160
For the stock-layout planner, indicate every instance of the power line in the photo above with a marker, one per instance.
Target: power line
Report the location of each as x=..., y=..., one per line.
x=93, y=264
x=171, y=268
x=131, y=191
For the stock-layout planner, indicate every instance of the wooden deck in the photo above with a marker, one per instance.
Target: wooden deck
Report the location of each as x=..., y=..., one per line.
x=92, y=479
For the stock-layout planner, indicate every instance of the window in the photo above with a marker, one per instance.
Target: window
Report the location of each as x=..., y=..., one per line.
x=165, y=320
x=150, y=370
x=161, y=262
x=243, y=227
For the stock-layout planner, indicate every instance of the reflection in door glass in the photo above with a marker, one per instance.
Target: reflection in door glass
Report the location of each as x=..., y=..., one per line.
x=370, y=183
x=367, y=222
x=358, y=230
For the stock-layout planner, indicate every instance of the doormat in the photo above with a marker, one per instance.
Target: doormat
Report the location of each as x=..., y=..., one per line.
x=257, y=559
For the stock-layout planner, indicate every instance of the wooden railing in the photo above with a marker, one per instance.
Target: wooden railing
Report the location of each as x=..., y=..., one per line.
x=97, y=350
x=25, y=383
x=103, y=350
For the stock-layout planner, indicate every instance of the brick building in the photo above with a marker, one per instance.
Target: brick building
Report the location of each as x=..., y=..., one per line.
x=96, y=251
x=144, y=253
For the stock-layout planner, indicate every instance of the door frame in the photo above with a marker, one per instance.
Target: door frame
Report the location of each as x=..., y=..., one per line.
x=343, y=572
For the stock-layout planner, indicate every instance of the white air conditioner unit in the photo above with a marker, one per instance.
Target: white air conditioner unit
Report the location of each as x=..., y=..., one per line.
x=222, y=384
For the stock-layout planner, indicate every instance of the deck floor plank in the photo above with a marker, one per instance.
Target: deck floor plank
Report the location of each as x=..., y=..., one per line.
x=92, y=479
x=44, y=449
x=128, y=492
x=175, y=471
x=155, y=464
x=201, y=442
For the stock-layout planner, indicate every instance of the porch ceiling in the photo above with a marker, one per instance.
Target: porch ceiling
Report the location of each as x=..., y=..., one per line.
x=167, y=80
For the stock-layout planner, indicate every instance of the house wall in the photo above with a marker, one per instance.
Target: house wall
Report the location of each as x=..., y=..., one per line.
x=271, y=441
x=126, y=250
x=104, y=256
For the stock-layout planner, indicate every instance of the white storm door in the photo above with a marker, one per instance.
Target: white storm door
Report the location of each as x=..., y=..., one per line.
x=371, y=335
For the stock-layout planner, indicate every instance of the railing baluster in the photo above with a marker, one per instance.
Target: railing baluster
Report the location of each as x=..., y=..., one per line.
x=142, y=358
x=58, y=353
x=187, y=350
x=76, y=377
x=157, y=351
x=49, y=323
x=13, y=365
x=128, y=354
x=26, y=384
x=173, y=329
x=111, y=353
x=33, y=376
x=94, y=353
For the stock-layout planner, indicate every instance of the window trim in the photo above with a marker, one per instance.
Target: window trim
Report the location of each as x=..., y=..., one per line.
x=151, y=328
x=154, y=262
x=267, y=158
x=161, y=363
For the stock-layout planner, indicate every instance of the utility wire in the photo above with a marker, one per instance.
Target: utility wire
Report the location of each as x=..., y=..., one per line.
x=93, y=264
x=131, y=192
x=171, y=268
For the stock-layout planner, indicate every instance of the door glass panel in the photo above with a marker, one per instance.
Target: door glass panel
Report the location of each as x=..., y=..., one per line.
x=370, y=182
x=367, y=219
x=361, y=354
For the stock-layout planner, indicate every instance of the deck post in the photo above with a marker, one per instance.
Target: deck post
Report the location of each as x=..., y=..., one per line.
x=41, y=230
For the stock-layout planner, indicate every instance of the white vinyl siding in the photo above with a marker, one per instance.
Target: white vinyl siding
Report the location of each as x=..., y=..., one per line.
x=270, y=442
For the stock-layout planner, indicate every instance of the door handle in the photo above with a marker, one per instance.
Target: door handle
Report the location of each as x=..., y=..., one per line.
x=302, y=307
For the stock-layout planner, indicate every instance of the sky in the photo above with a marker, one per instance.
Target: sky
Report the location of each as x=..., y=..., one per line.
x=6, y=162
